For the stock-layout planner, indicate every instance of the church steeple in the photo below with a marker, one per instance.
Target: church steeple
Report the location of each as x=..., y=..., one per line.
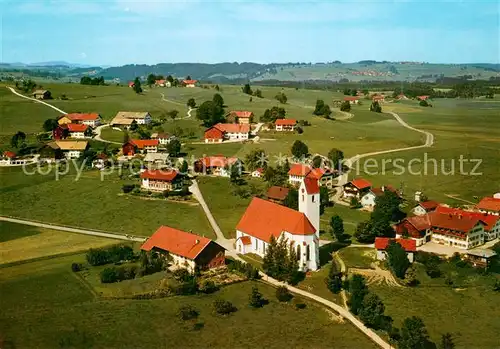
x=309, y=201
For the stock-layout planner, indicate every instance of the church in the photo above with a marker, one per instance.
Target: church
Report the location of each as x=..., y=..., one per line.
x=263, y=219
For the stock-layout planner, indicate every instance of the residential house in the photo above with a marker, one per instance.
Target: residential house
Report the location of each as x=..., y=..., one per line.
x=190, y=83
x=163, y=83
x=408, y=245
x=401, y=97
x=185, y=249
x=135, y=146
x=417, y=228
x=63, y=148
x=378, y=98
x=51, y=152
x=489, y=205
x=163, y=138
x=352, y=99
x=425, y=207
x=125, y=118
x=265, y=219
x=101, y=161
x=77, y=130
x=463, y=232
x=324, y=176
x=232, y=132
x=216, y=165
x=480, y=257
x=298, y=172
x=277, y=194
x=368, y=200
x=131, y=84
x=89, y=119
x=285, y=124
x=242, y=117
x=258, y=173
x=161, y=180
x=356, y=188
x=42, y=94
x=423, y=98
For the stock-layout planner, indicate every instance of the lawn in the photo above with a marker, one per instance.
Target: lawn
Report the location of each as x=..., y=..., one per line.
x=350, y=217
x=110, y=134
x=90, y=202
x=28, y=242
x=45, y=306
x=465, y=312
x=358, y=257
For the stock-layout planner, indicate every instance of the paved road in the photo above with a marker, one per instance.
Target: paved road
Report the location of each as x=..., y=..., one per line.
x=97, y=137
x=74, y=230
x=36, y=100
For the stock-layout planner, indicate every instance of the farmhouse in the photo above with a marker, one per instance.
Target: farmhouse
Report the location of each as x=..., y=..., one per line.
x=356, y=188
x=131, y=84
x=462, y=232
x=42, y=94
x=418, y=228
x=59, y=149
x=77, y=130
x=277, y=194
x=401, y=97
x=186, y=250
x=491, y=222
x=285, y=124
x=126, y=118
x=163, y=83
x=425, y=207
x=162, y=137
x=381, y=245
x=298, y=172
x=264, y=219
x=89, y=119
x=216, y=165
x=233, y=132
x=242, y=117
x=489, y=205
x=378, y=98
x=352, y=99
x=101, y=161
x=190, y=83
x=134, y=146
x=161, y=180
x=369, y=199
x=422, y=98
x=258, y=173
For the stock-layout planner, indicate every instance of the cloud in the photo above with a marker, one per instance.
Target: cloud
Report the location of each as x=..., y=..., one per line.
x=83, y=55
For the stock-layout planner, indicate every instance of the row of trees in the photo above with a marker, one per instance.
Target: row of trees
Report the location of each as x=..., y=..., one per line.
x=87, y=80
x=112, y=254
x=322, y=109
x=281, y=261
x=26, y=86
x=273, y=114
x=248, y=90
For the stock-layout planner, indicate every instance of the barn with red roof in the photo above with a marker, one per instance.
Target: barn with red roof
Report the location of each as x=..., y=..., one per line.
x=161, y=180
x=186, y=250
x=489, y=205
x=285, y=124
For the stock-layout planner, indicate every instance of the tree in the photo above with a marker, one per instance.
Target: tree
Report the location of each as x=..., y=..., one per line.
x=334, y=279
x=281, y=97
x=218, y=100
x=191, y=103
x=292, y=199
x=268, y=262
x=364, y=233
x=223, y=307
x=372, y=311
x=322, y=108
x=188, y=77
x=345, y=106
x=187, y=312
x=357, y=293
x=256, y=300
x=447, y=341
x=299, y=149
x=354, y=203
x=376, y=107
x=137, y=86
x=210, y=113
x=235, y=174
x=324, y=199
x=173, y=113
x=184, y=167
x=271, y=115
x=281, y=261
x=423, y=103
x=336, y=156
x=18, y=139
x=414, y=334
x=174, y=147
x=247, y=89
x=397, y=259
x=257, y=158
x=410, y=277
x=170, y=79
x=134, y=126
x=257, y=93
x=337, y=225
x=387, y=207
x=282, y=294
x=151, y=79
x=50, y=125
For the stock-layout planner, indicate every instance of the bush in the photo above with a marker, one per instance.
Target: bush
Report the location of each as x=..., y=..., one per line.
x=76, y=267
x=208, y=286
x=299, y=130
x=113, y=254
x=224, y=307
x=187, y=288
x=109, y=275
x=114, y=274
x=127, y=188
x=198, y=326
x=256, y=300
x=282, y=294
x=187, y=312
x=300, y=305
x=246, y=269
x=182, y=275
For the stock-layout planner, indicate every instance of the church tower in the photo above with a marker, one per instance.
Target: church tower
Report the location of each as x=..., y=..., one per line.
x=309, y=201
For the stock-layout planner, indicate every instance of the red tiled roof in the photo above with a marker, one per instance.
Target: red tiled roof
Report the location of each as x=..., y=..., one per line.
x=141, y=143
x=242, y=114
x=317, y=173
x=260, y=170
x=81, y=117
x=488, y=219
x=311, y=185
x=380, y=191
x=360, y=183
x=378, y=97
x=233, y=128
x=299, y=170
x=489, y=204
x=131, y=83
x=416, y=226
x=9, y=154
x=77, y=127
x=217, y=161
x=277, y=193
x=263, y=219
x=351, y=98
x=246, y=240
x=453, y=222
x=286, y=122
x=429, y=205
x=159, y=82
x=177, y=242
x=409, y=245
x=214, y=133
x=162, y=175
x=189, y=82
x=422, y=97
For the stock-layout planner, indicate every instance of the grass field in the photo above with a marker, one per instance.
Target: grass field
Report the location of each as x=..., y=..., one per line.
x=109, y=134
x=92, y=203
x=462, y=128
x=26, y=242
x=45, y=306
x=358, y=257
x=350, y=217
x=465, y=312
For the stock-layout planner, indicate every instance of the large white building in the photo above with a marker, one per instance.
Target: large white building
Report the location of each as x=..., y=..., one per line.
x=265, y=219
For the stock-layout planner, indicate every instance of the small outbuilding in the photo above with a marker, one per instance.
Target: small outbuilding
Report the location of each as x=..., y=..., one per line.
x=42, y=94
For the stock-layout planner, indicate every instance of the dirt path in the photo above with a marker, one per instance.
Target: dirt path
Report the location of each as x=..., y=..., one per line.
x=376, y=276
x=36, y=100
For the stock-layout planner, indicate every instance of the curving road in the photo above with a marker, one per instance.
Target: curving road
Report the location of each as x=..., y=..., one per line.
x=97, y=137
x=36, y=100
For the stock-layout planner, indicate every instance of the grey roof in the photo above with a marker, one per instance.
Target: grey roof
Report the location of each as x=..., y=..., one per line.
x=482, y=252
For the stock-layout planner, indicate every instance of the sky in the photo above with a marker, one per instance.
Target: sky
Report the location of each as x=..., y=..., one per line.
x=118, y=32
